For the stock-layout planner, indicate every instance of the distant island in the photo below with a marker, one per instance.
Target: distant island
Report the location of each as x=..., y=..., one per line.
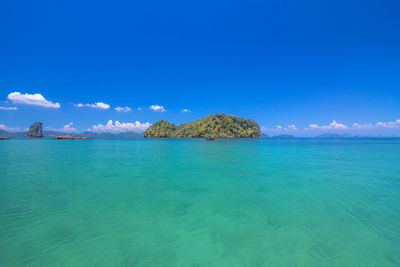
x=217, y=125
x=333, y=135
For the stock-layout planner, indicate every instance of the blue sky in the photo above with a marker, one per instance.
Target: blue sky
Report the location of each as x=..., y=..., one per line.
x=318, y=65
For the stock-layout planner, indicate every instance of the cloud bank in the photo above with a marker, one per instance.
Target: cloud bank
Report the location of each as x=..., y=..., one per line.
x=8, y=129
x=279, y=129
x=157, y=108
x=356, y=126
x=120, y=127
x=185, y=110
x=334, y=126
x=98, y=105
x=31, y=99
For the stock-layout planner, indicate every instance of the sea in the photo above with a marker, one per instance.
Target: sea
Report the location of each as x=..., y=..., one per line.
x=192, y=202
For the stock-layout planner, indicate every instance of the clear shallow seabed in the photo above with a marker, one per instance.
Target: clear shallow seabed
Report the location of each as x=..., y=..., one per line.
x=144, y=202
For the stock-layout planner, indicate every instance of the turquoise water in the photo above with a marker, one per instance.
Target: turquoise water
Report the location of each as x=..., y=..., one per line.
x=142, y=202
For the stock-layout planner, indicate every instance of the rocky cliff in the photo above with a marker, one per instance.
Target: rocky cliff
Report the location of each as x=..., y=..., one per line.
x=35, y=130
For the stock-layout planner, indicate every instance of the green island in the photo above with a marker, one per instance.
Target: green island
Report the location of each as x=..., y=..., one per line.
x=217, y=125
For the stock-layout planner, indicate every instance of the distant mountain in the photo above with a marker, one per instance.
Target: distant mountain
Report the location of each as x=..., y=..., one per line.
x=333, y=135
x=111, y=135
x=12, y=134
x=54, y=133
x=215, y=125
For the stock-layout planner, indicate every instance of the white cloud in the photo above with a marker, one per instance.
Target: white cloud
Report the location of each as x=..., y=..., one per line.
x=390, y=124
x=8, y=129
x=123, y=109
x=120, y=127
x=8, y=108
x=99, y=105
x=66, y=128
x=185, y=110
x=356, y=126
x=31, y=99
x=157, y=108
x=139, y=108
x=336, y=126
x=362, y=126
x=332, y=126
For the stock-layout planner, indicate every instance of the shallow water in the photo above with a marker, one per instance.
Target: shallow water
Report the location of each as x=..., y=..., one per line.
x=144, y=202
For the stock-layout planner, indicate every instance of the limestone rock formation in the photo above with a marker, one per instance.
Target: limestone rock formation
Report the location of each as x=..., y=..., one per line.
x=35, y=130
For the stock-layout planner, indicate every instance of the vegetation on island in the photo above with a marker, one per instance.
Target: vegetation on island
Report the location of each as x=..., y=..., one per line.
x=213, y=126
